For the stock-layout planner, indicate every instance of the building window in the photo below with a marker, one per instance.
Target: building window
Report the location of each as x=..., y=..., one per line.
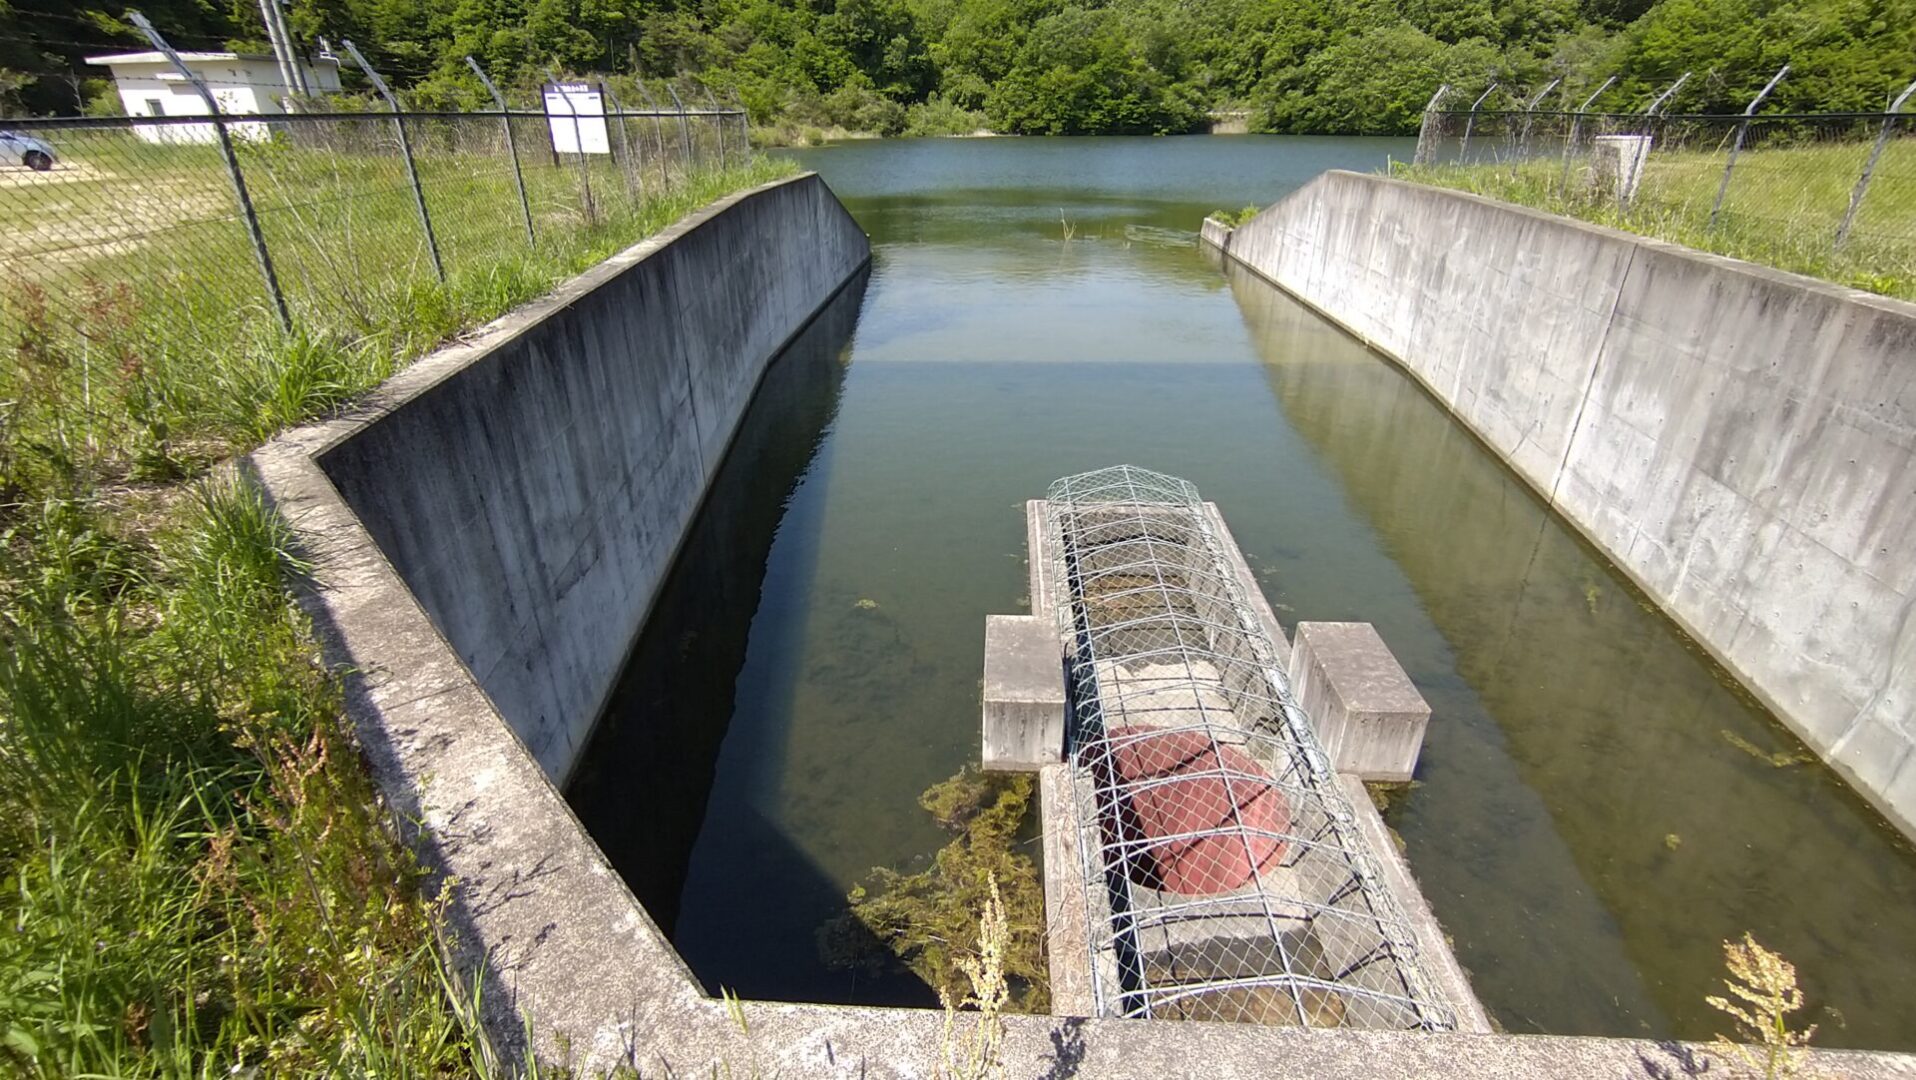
x=155, y=107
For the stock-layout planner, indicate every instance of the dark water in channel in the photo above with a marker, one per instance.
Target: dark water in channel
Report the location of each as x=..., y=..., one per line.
x=1588, y=827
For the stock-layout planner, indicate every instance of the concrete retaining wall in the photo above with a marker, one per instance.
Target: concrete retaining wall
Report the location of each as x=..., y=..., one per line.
x=533, y=497
x=1737, y=439
x=553, y=939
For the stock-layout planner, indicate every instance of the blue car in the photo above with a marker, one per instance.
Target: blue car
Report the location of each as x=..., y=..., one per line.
x=27, y=150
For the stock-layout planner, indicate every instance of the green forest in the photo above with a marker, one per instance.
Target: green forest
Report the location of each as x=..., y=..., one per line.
x=1044, y=66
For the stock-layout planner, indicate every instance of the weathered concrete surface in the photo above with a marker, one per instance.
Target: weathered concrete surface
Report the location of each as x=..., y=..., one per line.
x=1367, y=714
x=1023, y=693
x=1215, y=233
x=552, y=934
x=1067, y=939
x=1738, y=440
x=533, y=491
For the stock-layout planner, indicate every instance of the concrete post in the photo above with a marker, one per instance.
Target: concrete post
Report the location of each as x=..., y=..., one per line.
x=1023, y=693
x=1368, y=716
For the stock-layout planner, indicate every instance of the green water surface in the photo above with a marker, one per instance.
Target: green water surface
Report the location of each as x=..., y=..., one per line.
x=1590, y=822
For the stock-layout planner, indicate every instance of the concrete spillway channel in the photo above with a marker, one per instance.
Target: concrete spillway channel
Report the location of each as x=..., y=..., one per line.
x=1204, y=858
x=487, y=534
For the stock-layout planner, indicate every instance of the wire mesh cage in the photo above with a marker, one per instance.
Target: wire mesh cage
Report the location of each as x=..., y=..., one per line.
x=1225, y=878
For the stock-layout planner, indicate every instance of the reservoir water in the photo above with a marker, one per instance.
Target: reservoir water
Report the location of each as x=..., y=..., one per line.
x=1598, y=806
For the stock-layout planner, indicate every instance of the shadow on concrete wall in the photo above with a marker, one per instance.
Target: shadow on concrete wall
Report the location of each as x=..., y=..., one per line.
x=643, y=782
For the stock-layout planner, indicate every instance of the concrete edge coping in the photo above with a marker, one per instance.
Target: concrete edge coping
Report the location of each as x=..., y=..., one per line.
x=1822, y=287
x=554, y=939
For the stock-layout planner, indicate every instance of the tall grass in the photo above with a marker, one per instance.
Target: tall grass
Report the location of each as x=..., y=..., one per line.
x=1782, y=209
x=197, y=877
x=136, y=377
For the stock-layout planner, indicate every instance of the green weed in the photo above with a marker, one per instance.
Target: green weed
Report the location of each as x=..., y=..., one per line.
x=197, y=877
x=930, y=922
x=1782, y=209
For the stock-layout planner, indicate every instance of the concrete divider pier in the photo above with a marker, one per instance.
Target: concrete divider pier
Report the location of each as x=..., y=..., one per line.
x=1368, y=716
x=1349, y=673
x=1023, y=693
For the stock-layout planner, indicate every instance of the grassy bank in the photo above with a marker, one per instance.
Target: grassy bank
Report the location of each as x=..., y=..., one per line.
x=196, y=877
x=1783, y=207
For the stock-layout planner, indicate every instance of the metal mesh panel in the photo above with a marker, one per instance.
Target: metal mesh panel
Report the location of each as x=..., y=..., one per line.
x=1225, y=877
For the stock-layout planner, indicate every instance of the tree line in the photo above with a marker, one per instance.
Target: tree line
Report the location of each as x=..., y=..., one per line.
x=1045, y=66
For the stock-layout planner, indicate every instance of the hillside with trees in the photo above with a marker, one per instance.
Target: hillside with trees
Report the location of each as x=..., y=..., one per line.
x=1047, y=66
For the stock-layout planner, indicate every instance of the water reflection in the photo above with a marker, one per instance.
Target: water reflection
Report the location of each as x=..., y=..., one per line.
x=643, y=778
x=1585, y=830
x=1586, y=758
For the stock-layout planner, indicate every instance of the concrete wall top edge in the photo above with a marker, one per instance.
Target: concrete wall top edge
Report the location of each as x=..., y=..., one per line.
x=1799, y=282
x=450, y=359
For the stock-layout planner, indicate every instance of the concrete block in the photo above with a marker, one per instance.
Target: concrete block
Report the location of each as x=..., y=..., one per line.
x=1067, y=937
x=1369, y=717
x=1024, y=693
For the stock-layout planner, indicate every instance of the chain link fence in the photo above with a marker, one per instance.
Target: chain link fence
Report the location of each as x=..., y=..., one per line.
x=151, y=285
x=349, y=209
x=1832, y=195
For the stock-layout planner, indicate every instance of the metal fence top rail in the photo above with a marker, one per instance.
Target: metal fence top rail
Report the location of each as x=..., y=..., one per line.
x=1639, y=115
x=110, y=122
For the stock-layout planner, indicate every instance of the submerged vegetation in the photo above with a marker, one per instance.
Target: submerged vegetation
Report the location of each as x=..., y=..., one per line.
x=938, y=923
x=196, y=875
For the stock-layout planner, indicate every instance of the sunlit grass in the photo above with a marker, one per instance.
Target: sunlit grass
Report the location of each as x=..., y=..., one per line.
x=197, y=877
x=1783, y=208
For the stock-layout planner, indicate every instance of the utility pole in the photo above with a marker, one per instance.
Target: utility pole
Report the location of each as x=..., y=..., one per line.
x=282, y=50
x=293, y=59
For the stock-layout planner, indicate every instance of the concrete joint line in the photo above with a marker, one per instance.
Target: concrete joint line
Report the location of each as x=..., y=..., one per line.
x=1596, y=364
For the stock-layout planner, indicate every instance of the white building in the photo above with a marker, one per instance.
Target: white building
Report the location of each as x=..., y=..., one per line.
x=243, y=83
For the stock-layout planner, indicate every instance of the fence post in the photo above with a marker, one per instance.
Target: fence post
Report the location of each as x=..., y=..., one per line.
x=1657, y=102
x=685, y=130
x=512, y=148
x=632, y=175
x=1576, y=125
x=405, y=150
x=1427, y=138
x=586, y=206
x=744, y=126
x=1869, y=167
x=1736, y=144
x=1463, y=152
x=718, y=123
x=658, y=132
x=233, y=173
x=1523, y=138
x=1642, y=153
